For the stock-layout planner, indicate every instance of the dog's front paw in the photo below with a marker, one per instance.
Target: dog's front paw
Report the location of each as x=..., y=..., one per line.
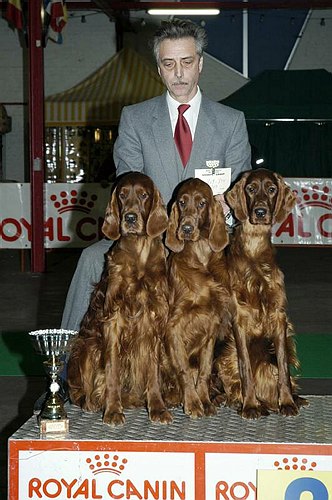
x=209, y=409
x=172, y=398
x=113, y=419
x=300, y=401
x=194, y=408
x=289, y=410
x=219, y=400
x=161, y=416
x=253, y=412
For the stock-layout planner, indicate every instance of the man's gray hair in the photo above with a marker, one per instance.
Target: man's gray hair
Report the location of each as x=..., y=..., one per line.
x=177, y=29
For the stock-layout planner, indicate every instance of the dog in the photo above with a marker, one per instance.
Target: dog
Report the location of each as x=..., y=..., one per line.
x=196, y=237
x=114, y=362
x=254, y=364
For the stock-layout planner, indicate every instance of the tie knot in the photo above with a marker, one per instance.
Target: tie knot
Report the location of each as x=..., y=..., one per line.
x=183, y=108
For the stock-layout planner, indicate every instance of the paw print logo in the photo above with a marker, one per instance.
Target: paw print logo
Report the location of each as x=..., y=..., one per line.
x=314, y=196
x=106, y=463
x=295, y=463
x=73, y=201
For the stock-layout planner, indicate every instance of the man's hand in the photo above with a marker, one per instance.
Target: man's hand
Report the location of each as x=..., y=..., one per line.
x=227, y=212
x=221, y=199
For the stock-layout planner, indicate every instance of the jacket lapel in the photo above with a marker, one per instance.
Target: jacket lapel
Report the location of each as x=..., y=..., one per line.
x=162, y=131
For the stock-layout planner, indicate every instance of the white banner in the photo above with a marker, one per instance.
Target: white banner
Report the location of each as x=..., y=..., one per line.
x=310, y=223
x=65, y=474
x=74, y=214
x=107, y=470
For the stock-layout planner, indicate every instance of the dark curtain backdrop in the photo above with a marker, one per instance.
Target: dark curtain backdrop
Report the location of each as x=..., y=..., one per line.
x=298, y=148
x=293, y=149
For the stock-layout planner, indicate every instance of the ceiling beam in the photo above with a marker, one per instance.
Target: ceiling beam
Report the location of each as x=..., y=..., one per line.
x=112, y=5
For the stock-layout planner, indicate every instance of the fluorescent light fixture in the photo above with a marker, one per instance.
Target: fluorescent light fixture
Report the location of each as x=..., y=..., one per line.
x=183, y=12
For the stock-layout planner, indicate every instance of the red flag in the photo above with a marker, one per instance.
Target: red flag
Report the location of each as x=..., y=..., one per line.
x=14, y=13
x=57, y=15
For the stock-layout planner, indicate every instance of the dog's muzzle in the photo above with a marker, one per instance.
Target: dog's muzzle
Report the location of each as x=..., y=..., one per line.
x=187, y=229
x=130, y=218
x=260, y=213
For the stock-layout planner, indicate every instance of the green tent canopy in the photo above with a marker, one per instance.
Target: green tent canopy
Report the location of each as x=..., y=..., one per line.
x=289, y=119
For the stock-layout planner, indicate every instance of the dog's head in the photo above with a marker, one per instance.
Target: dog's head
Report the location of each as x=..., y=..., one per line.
x=262, y=197
x=195, y=214
x=135, y=207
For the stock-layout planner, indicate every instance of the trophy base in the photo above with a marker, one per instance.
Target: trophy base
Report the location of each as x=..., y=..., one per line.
x=53, y=420
x=55, y=429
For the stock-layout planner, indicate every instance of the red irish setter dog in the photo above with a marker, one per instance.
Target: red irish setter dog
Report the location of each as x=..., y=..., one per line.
x=254, y=365
x=199, y=297
x=114, y=362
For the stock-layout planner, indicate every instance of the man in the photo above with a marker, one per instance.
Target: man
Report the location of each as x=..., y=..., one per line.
x=146, y=141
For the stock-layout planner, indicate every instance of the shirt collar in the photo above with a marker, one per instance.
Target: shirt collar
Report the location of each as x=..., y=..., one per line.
x=191, y=114
x=194, y=102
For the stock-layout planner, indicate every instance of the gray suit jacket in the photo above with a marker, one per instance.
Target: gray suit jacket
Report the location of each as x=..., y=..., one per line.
x=145, y=132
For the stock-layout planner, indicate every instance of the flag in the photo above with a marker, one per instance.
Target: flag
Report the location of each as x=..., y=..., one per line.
x=56, y=18
x=14, y=14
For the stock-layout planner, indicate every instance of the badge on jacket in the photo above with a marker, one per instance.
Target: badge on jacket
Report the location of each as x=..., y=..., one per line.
x=219, y=179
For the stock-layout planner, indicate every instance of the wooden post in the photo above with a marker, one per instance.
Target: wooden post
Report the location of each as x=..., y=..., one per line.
x=36, y=133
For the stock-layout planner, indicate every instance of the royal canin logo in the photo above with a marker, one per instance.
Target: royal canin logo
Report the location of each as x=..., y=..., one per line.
x=73, y=201
x=106, y=463
x=314, y=196
x=111, y=488
x=295, y=463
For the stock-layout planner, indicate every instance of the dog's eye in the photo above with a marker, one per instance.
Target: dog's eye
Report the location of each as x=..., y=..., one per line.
x=272, y=189
x=143, y=196
x=251, y=189
x=122, y=196
x=181, y=203
x=202, y=204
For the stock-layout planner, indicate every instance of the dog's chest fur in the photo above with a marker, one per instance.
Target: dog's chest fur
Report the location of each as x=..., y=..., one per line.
x=256, y=280
x=141, y=279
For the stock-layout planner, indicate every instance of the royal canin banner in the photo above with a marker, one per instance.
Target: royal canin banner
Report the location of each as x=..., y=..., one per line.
x=43, y=470
x=310, y=222
x=74, y=214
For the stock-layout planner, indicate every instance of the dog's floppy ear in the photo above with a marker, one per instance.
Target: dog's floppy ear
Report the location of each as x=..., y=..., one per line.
x=157, y=220
x=236, y=199
x=111, y=224
x=218, y=236
x=172, y=241
x=285, y=201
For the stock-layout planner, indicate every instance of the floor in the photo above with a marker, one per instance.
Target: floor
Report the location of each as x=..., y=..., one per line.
x=31, y=301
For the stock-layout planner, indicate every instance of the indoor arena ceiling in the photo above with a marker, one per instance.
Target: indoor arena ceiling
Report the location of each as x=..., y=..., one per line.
x=111, y=6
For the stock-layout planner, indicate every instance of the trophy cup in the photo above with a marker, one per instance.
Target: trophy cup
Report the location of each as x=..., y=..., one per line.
x=54, y=344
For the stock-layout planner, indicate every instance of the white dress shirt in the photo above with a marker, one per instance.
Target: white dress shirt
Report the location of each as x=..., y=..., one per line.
x=191, y=115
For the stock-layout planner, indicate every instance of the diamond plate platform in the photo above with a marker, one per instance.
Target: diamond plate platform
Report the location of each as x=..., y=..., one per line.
x=312, y=425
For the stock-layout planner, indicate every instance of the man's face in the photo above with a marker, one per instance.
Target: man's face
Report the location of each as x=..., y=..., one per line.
x=179, y=66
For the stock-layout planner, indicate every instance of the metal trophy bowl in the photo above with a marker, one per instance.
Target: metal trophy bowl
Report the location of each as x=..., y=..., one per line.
x=54, y=344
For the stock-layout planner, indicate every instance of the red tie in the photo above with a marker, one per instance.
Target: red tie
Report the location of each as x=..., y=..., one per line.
x=182, y=135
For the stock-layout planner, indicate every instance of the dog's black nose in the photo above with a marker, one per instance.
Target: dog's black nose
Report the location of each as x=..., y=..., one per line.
x=187, y=228
x=131, y=218
x=260, y=212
